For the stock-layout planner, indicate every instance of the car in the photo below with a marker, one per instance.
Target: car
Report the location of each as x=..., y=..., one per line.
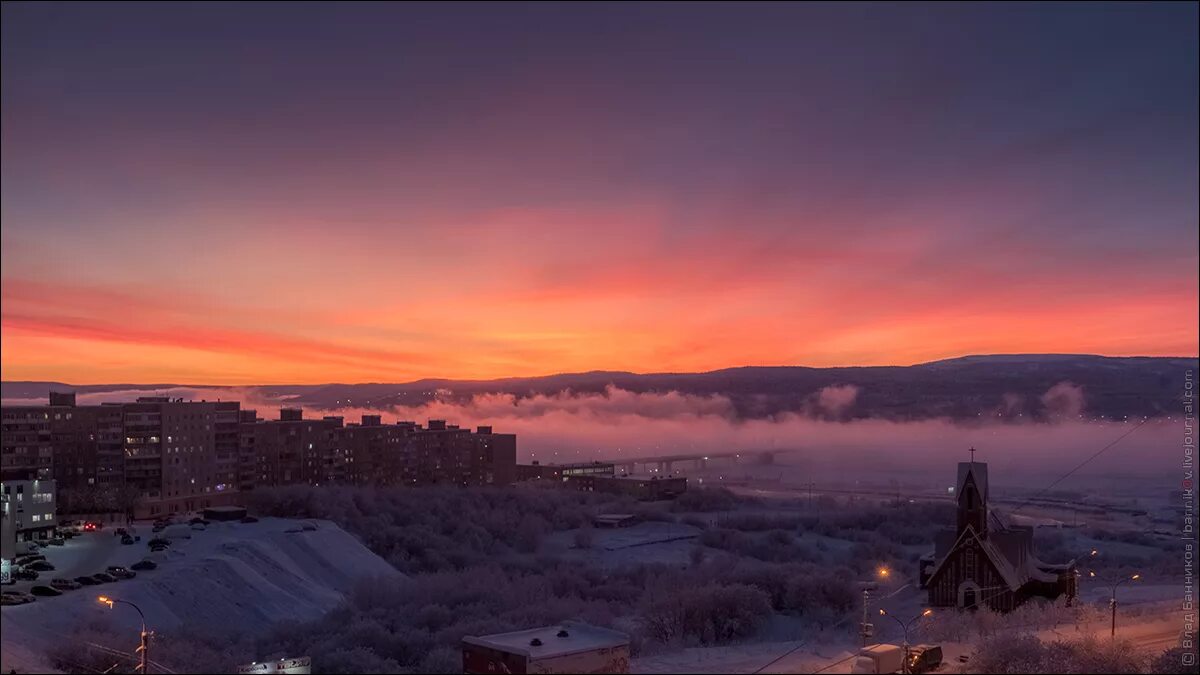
x=104, y=578
x=27, y=559
x=70, y=534
x=249, y=519
x=25, y=574
x=120, y=572
x=127, y=540
x=58, y=541
x=199, y=527
x=86, y=581
x=144, y=565
x=197, y=521
x=90, y=527
x=15, y=598
x=45, y=591
x=157, y=548
x=159, y=541
x=65, y=584
x=40, y=566
x=308, y=526
x=924, y=658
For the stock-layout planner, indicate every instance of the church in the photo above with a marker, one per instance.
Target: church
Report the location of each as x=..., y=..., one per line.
x=984, y=562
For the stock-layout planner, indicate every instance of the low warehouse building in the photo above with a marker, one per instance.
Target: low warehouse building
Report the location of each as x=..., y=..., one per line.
x=644, y=488
x=225, y=513
x=570, y=647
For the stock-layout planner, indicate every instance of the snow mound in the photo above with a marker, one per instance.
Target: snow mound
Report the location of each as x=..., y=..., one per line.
x=239, y=576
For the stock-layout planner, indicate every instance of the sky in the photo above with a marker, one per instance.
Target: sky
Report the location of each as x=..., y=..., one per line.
x=247, y=193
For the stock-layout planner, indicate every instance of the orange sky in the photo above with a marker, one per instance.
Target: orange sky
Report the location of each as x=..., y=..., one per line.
x=196, y=194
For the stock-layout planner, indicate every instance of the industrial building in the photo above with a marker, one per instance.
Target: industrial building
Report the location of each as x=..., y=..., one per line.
x=570, y=647
x=643, y=488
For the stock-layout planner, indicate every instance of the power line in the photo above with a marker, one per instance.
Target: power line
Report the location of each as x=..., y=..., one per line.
x=1081, y=465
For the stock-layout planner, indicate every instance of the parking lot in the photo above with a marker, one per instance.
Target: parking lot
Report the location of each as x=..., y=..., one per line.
x=87, y=554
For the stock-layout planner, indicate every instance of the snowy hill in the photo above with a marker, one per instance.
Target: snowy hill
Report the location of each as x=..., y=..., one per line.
x=234, y=575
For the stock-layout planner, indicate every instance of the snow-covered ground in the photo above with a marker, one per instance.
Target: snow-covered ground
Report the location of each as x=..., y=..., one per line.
x=649, y=542
x=240, y=576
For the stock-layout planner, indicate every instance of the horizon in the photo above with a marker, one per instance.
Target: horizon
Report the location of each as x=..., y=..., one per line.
x=533, y=189
x=590, y=372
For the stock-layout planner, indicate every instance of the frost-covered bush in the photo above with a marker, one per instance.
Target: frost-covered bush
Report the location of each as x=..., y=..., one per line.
x=707, y=500
x=706, y=615
x=1014, y=652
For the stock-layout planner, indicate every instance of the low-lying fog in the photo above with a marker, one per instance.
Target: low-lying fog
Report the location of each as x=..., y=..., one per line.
x=622, y=424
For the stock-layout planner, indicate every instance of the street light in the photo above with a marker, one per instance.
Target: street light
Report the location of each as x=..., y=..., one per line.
x=904, y=626
x=1112, y=599
x=144, y=647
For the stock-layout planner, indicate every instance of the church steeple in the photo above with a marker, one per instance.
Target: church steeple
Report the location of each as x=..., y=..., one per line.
x=972, y=491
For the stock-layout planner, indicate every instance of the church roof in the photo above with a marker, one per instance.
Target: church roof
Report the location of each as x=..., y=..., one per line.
x=979, y=471
x=1013, y=577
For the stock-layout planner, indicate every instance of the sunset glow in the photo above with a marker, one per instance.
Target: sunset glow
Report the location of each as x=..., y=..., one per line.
x=453, y=202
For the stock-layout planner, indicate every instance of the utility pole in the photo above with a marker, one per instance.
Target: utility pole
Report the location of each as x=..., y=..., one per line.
x=143, y=649
x=1112, y=599
x=865, y=628
x=905, y=666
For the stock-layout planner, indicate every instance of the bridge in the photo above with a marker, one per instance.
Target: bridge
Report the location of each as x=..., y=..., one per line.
x=700, y=460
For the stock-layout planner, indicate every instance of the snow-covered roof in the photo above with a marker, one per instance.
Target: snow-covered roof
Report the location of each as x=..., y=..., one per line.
x=1012, y=577
x=580, y=637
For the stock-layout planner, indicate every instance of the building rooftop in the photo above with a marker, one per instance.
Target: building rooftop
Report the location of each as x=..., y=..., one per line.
x=569, y=637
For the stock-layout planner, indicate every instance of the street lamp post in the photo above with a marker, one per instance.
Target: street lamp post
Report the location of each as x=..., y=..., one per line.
x=144, y=646
x=1112, y=598
x=883, y=574
x=904, y=626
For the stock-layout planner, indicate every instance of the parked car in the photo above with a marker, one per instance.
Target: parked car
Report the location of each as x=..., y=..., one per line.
x=159, y=541
x=308, y=526
x=144, y=565
x=15, y=598
x=40, y=566
x=86, y=581
x=58, y=541
x=25, y=574
x=924, y=658
x=120, y=532
x=104, y=578
x=249, y=519
x=127, y=540
x=197, y=521
x=45, y=591
x=65, y=584
x=70, y=534
x=27, y=559
x=121, y=572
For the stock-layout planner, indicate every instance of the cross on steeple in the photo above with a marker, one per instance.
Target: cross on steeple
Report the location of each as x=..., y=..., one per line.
x=972, y=451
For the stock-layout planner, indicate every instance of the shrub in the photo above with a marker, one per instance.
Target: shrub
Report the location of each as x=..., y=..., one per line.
x=705, y=500
x=708, y=615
